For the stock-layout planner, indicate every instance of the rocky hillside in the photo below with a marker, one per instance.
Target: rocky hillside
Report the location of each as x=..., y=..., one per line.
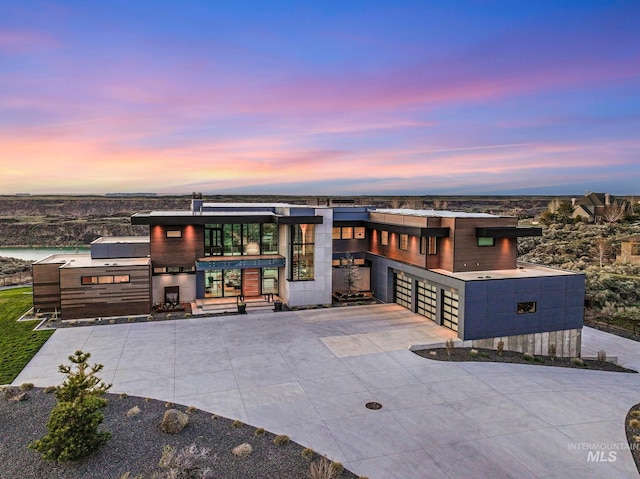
x=78, y=220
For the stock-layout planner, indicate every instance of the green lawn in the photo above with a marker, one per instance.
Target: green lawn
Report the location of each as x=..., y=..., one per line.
x=18, y=342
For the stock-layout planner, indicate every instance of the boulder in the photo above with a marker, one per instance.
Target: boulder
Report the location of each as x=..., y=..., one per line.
x=174, y=421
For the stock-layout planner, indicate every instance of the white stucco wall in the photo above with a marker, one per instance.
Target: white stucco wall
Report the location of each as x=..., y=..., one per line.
x=318, y=291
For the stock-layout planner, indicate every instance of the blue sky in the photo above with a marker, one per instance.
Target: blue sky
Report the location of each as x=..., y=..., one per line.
x=475, y=97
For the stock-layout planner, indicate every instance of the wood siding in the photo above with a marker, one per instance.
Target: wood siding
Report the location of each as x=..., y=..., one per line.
x=46, y=287
x=468, y=256
x=104, y=300
x=176, y=251
x=392, y=250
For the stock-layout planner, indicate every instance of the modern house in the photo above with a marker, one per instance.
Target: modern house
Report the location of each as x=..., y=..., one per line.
x=459, y=270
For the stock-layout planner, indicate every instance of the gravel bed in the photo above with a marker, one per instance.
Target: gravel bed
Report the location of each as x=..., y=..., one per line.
x=632, y=433
x=492, y=356
x=136, y=443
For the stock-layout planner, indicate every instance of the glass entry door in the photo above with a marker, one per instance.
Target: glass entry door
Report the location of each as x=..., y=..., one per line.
x=225, y=283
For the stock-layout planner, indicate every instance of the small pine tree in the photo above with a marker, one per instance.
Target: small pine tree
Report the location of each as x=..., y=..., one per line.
x=74, y=421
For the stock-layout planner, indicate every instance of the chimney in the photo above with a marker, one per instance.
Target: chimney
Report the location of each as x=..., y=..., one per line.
x=573, y=201
x=607, y=199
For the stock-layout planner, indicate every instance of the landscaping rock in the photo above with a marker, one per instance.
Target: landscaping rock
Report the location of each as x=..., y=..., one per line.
x=174, y=421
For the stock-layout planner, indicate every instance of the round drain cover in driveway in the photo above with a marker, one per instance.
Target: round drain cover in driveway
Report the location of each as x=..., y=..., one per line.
x=373, y=405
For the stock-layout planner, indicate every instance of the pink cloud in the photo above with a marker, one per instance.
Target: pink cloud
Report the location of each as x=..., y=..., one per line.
x=17, y=42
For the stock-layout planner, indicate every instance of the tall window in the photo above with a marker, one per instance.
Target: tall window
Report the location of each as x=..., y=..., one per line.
x=302, y=250
x=433, y=245
x=384, y=238
x=404, y=241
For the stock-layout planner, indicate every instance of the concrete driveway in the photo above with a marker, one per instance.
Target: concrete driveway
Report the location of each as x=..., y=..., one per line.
x=308, y=374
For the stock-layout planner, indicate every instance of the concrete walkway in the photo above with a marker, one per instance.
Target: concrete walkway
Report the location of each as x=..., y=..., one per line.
x=308, y=374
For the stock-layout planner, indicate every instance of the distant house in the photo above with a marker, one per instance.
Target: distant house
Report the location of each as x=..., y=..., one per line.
x=593, y=206
x=629, y=250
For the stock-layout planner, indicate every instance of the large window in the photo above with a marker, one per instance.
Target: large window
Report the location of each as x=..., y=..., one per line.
x=302, y=251
x=348, y=232
x=240, y=239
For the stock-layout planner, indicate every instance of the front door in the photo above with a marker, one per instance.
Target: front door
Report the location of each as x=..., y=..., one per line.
x=251, y=282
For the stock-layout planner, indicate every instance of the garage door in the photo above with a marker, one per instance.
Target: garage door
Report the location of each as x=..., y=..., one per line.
x=402, y=290
x=450, y=309
x=427, y=295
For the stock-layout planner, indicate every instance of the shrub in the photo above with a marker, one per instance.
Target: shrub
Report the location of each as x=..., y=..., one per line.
x=500, y=347
x=237, y=424
x=324, y=469
x=634, y=423
x=635, y=413
x=338, y=467
x=551, y=352
x=191, y=410
x=484, y=354
x=307, y=453
x=449, y=345
x=473, y=353
x=49, y=389
x=259, y=432
x=26, y=386
x=577, y=361
x=74, y=421
x=190, y=462
x=527, y=357
x=281, y=440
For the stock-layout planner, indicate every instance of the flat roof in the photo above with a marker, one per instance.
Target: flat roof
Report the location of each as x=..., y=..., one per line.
x=524, y=270
x=433, y=213
x=256, y=205
x=121, y=239
x=86, y=261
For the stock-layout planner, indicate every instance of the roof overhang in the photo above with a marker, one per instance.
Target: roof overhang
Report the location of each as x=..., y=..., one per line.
x=298, y=220
x=410, y=230
x=507, y=232
x=205, y=219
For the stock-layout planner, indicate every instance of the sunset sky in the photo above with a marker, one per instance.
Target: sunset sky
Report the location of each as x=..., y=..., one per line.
x=324, y=97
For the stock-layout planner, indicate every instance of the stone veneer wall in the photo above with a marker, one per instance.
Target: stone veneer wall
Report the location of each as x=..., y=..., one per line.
x=568, y=343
